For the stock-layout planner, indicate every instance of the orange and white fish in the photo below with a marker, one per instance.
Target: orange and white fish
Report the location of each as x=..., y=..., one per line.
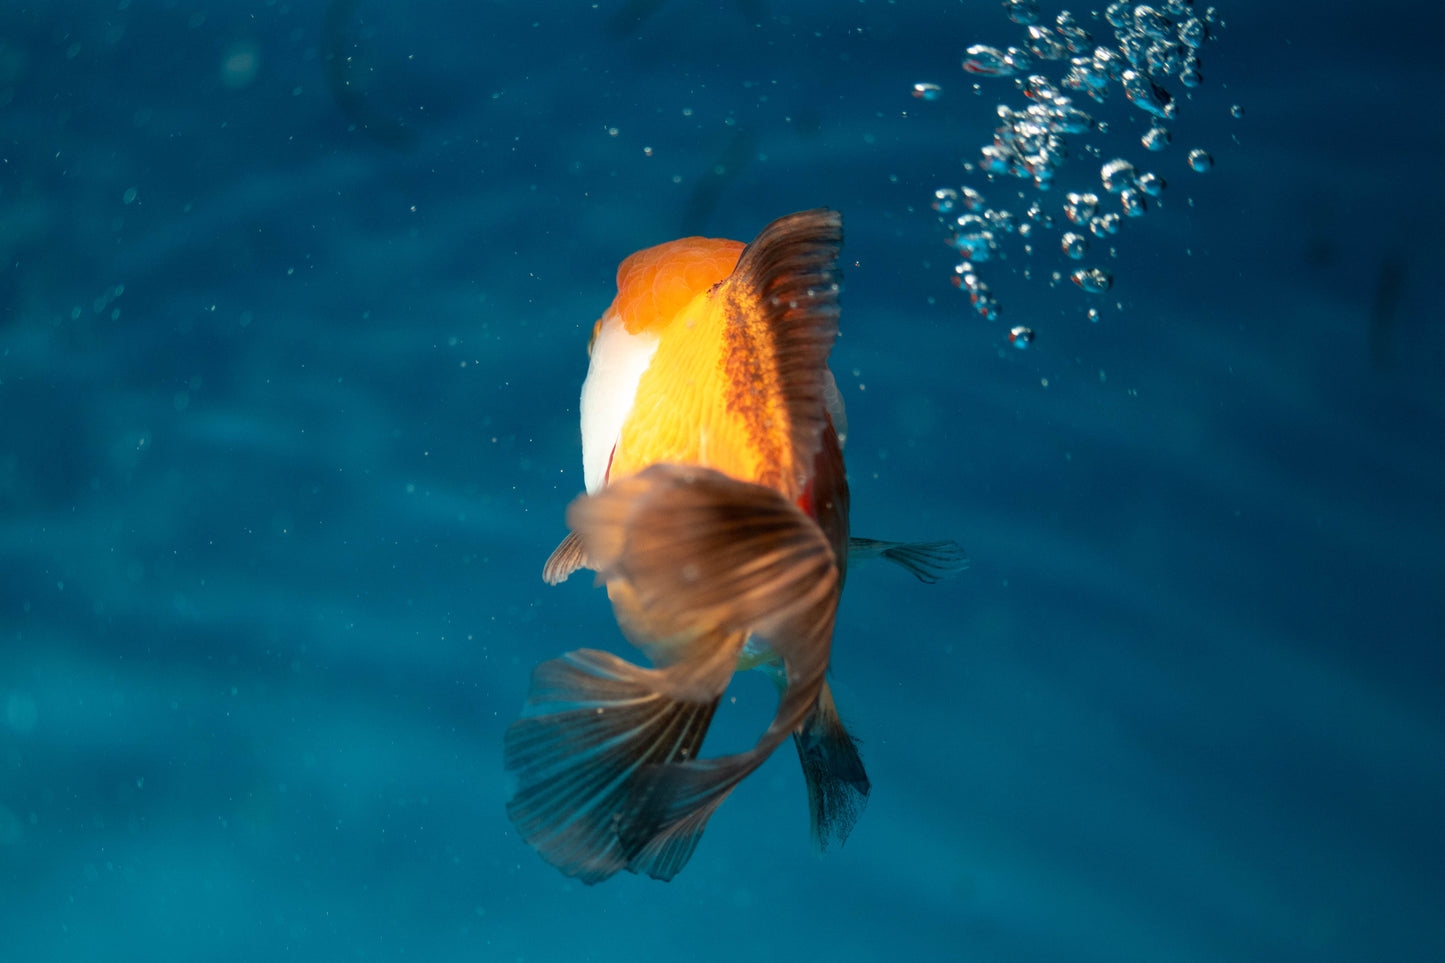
x=716, y=514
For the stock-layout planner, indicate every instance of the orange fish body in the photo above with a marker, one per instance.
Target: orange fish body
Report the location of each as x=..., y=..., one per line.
x=716, y=514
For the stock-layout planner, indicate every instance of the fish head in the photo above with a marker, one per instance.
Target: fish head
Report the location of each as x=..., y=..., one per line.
x=655, y=288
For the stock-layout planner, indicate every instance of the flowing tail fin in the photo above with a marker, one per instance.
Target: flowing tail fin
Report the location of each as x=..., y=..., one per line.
x=592, y=722
x=696, y=561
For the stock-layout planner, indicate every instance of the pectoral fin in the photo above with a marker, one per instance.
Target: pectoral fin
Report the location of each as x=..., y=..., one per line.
x=565, y=559
x=928, y=561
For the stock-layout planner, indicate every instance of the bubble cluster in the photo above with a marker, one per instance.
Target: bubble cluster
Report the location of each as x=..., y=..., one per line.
x=1059, y=69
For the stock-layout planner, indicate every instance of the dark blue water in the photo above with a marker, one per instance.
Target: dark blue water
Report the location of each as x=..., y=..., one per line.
x=293, y=307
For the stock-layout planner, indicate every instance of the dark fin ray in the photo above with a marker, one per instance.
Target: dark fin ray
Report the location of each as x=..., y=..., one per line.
x=667, y=851
x=928, y=561
x=593, y=722
x=838, y=785
x=565, y=559
x=790, y=269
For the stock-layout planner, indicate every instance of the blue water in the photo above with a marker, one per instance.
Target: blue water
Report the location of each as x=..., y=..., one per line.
x=293, y=309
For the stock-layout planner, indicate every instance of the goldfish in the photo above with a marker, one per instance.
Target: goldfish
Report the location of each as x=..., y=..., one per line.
x=716, y=516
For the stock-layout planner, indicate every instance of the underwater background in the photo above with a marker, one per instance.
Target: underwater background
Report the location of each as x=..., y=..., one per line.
x=294, y=303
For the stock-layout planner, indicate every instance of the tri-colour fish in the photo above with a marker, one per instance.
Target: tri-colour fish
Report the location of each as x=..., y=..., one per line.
x=716, y=514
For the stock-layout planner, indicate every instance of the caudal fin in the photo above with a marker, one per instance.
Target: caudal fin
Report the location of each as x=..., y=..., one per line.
x=692, y=557
x=592, y=723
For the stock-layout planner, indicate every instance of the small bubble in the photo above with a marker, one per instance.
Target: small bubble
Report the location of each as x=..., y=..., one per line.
x=1094, y=315
x=1080, y=208
x=944, y=200
x=1236, y=111
x=1093, y=280
x=1117, y=175
x=1020, y=337
x=927, y=91
x=1200, y=160
x=1074, y=245
x=987, y=61
x=1152, y=184
x=129, y=196
x=1023, y=12
x=1193, y=32
x=1155, y=138
x=1133, y=202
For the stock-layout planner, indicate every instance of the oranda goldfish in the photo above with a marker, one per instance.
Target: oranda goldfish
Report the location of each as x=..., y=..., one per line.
x=716, y=514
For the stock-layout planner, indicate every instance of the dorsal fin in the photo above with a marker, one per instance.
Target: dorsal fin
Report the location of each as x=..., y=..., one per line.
x=789, y=273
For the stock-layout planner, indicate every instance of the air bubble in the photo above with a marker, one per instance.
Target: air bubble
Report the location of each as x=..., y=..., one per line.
x=1020, y=337
x=1152, y=184
x=1200, y=160
x=1074, y=245
x=944, y=200
x=1236, y=111
x=1133, y=202
x=1193, y=33
x=987, y=61
x=1117, y=175
x=1104, y=225
x=1080, y=208
x=1093, y=280
x=1024, y=12
x=927, y=91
